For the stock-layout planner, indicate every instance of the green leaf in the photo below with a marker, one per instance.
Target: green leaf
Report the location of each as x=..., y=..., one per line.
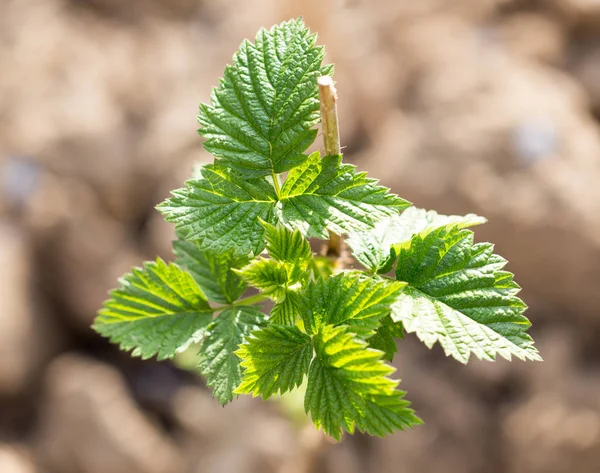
x=324, y=194
x=222, y=211
x=267, y=275
x=283, y=276
x=459, y=296
x=158, y=310
x=287, y=246
x=385, y=337
x=292, y=249
x=212, y=271
x=219, y=363
x=373, y=248
x=384, y=414
x=276, y=280
x=261, y=116
x=275, y=359
x=287, y=309
x=322, y=266
x=348, y=387
x=349, y=298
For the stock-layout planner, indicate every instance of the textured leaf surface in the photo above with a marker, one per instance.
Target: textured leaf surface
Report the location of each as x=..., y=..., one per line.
x=275, y=359
x=459, y=296
x=219, y=363
x=268, y=275
x=281, y=282
x=283, y=276
x=261, y=116
x=373, y=248
x=287, y=309
x=323, y=193
x=222, y=211
x=348, y=387
x=349, y=298
x=385, y=337
x=212, y=271
x=291, y=257
x=158, y=310
x=287, y=246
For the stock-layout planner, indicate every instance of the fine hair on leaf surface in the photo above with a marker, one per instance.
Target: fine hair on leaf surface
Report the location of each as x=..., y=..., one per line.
x=257, y=309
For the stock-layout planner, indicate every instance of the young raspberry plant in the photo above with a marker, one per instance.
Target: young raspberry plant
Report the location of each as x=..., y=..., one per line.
x=242, y=226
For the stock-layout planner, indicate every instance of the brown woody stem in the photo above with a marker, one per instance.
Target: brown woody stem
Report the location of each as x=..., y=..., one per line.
x=331, y=142
x=329, y=119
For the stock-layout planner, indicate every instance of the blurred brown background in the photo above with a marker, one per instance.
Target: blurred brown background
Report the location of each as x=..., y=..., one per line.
x=486, y=106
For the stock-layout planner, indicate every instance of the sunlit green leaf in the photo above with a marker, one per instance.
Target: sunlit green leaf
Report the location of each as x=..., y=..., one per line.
x=158, y=310
x=460, y=296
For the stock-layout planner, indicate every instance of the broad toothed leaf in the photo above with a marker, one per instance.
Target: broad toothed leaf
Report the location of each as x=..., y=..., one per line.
x=349, y=298
x=158, y=310
x=459, y=296
x=261, y=116
x=275, y=359
x=348, y=387
x=212, y=271
x=222, y=211
x=373, y=248
x=323, y=193
x=219, y=363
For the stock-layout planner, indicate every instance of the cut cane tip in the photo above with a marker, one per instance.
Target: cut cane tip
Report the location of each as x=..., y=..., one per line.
x=326, y=87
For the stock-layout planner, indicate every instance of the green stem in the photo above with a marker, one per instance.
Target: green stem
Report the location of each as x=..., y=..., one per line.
x=277, y=185
x=255, y=299
x=250, y=300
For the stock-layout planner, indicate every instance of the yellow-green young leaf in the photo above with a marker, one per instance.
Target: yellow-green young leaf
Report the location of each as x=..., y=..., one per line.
x=275, y=359
x=282, y=277
x=287, y=246
x=212, y=271
x=291, y=251
x=219, y=364
x=158, y=310
x=459, y=296
x=375, y=248
x=323, y=193
x=348, y=387
x=261, y=116
x=322, y=266
x=349, y=298
x=281, y=282
x=267, y=275
x=287, y=309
